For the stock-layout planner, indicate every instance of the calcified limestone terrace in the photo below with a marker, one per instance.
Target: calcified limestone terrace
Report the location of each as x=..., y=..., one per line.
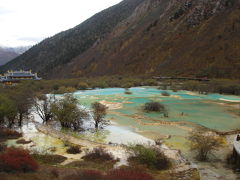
x=129, y=124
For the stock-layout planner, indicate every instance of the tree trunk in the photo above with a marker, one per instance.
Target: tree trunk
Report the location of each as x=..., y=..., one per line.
x=20, y=119
x=11, y=122
x=96, y=125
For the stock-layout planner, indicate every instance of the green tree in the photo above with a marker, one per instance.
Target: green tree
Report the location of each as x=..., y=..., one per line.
x=23, y=97
x=67, y=112
x=204, y=143
x=8, y=111
x=99, y=112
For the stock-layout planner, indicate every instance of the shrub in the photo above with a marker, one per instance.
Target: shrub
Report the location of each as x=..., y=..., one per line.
x=150, y=157
x=165, y=93
x=127, y=85
x=9, y=134
x=101, y=84
x=92, y=164
x=128, y=92
x=175, y=90
x=151, y=82
x=23, y=141
x=99, y=154
x=156, y=107
x=2, y=147
x=49, y=158
x=127, y=174
x=55, y=173
x=64, y=89
x=55, y=87
x=91, y=175
x=163, y=87
x=17, y=160
x=74, y=150
x=83, y=86
x=224, y=86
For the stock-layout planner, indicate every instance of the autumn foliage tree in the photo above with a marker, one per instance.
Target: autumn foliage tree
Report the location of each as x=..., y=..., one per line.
x=204, y=143
x=99, y=112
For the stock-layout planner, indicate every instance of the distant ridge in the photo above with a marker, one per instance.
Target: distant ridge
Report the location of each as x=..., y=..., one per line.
x=9, y=53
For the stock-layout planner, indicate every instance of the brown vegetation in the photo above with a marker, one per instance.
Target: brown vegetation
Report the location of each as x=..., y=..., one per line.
x=117, y=174
x=49, y=158
x=17, y=160
x=23, y=141
x=150, y=157
x=99, y=154
x=9, y=134
x=204, y=143
x=74, y=150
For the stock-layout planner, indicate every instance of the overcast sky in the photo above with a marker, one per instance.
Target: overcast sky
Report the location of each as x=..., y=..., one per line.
x=26, y=22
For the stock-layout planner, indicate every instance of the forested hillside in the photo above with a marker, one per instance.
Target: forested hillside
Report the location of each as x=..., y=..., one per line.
x=56, y=51
x=150, y=37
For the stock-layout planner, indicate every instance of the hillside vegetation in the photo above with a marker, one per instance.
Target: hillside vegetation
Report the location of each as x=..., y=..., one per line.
x=145, y=37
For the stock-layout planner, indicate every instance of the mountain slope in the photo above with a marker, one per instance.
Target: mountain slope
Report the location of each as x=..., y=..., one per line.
x=9, y=53
x=180, y=38
x=155, y=37
x=60, y=49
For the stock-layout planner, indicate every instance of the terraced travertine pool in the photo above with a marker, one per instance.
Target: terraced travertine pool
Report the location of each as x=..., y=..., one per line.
x=130, y=124
x=187, y=110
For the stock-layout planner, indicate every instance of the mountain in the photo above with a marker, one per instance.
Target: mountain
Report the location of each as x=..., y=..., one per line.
x=6, y=56
x=19, y=50
x=195, y=38
x=9, y=53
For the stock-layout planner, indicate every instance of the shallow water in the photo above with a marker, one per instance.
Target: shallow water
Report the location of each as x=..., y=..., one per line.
x=197, y=109
x=130, y=124
x=188, y=109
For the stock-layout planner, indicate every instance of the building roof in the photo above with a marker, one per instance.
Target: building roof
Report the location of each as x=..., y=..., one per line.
x=20, y=74
x=14, y=75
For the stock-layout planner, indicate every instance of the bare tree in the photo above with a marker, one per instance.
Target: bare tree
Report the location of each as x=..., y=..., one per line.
x=204, y=143
x=99, y=112
x=42, y=106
